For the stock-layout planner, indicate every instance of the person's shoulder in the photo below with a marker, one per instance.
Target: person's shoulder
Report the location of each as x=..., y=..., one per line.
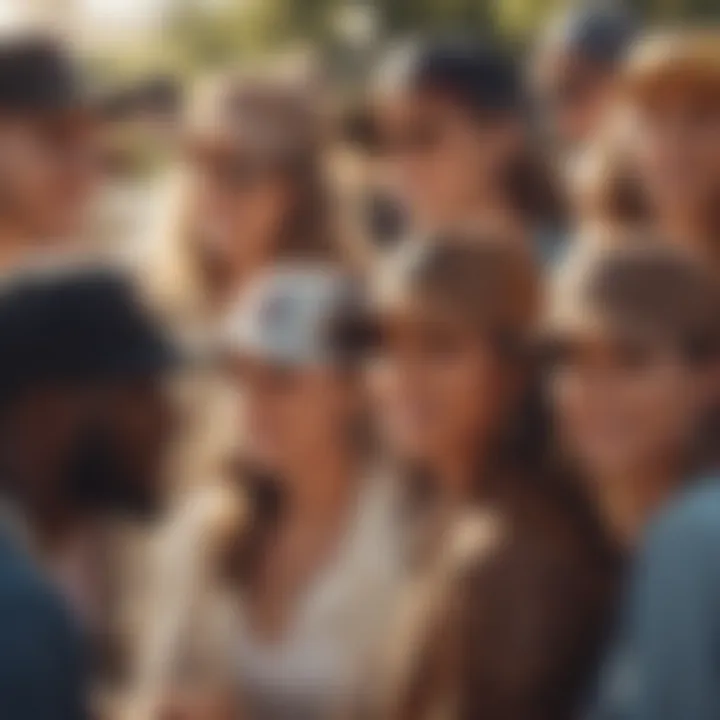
x=528, y=531
x=34, y=620
x=545, y=521
x=26, y=596
x=692, y=519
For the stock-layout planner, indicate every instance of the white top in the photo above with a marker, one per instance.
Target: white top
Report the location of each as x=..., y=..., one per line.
x=320, y=663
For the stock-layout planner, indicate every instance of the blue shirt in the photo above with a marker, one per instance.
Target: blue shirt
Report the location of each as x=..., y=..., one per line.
x=665, y=664
x=42, y=663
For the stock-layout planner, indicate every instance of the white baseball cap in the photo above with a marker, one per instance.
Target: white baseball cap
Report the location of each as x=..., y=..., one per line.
x=291, y=316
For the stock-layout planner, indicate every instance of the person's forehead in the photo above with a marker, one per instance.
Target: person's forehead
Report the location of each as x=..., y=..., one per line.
x=253, y=371
x=418, y=319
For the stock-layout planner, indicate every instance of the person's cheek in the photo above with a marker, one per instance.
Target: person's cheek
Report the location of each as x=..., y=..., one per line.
x=259, y=427
x=574, y=411
x=404, y=406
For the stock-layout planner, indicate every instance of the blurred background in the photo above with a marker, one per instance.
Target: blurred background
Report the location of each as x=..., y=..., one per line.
x=127, y=38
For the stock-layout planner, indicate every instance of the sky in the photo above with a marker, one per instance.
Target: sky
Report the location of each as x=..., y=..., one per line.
x=110, y=14
x=125, y=12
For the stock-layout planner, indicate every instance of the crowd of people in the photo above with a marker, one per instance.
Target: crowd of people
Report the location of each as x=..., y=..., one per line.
x=404, y=411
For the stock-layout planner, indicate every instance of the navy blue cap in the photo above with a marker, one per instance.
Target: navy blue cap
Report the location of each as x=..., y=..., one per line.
x=598, y=31
x=76, y=325
x=478, y=74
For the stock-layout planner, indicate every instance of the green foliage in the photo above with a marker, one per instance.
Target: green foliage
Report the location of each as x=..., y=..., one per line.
x=200, y=34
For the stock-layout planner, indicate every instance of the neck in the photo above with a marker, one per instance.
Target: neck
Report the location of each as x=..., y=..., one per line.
x=13, y=246
x=628, y=500
x=322, y=488
x=456, y=475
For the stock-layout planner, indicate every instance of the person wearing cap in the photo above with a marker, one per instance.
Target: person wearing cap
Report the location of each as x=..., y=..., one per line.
x=634, y=344
x=575, y=68
x=671, y=90
x=48, y=147
x=251, y=190
x=308, y=552
x=451, y=135
x=503, y=598
x=83, y=425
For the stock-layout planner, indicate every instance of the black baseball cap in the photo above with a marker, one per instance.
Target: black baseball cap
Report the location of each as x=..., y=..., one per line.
x=77, y=325
x=39, y=76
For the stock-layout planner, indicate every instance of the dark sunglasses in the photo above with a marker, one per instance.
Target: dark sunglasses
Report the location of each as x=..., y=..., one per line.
x=415, y=138
x=567, y=92
x=234, y=170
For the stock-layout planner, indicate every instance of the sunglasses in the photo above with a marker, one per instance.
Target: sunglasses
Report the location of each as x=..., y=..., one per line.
x=234, y=170
x=568, y=91
x=414, y=138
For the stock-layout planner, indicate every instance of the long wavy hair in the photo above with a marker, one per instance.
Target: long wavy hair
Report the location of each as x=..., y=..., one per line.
x=184, y=275
x=492, y=286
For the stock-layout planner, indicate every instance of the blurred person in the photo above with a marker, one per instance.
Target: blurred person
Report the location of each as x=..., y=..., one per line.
x=575, y=69
x=300, y=545
x=633, y=379
x=450, y=128
x=81, y=428
x=251, y=191
x=672, y=94
x=49, y=166
x=606, y=199
x=502, y=609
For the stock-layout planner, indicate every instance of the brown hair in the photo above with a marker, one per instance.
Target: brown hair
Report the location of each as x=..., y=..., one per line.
x=493, y=285
x=647, y=289
x=490, y=282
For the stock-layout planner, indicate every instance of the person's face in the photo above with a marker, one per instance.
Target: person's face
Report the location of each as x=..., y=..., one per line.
x=289, y=417
x=39, y=431
x=439, y=160
x=139, y=424
x=49, y=169
x=677, y=145
x=572, y=97
x=101, y=448
x=239, y=206
x=437, y=390
x=623, y=408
